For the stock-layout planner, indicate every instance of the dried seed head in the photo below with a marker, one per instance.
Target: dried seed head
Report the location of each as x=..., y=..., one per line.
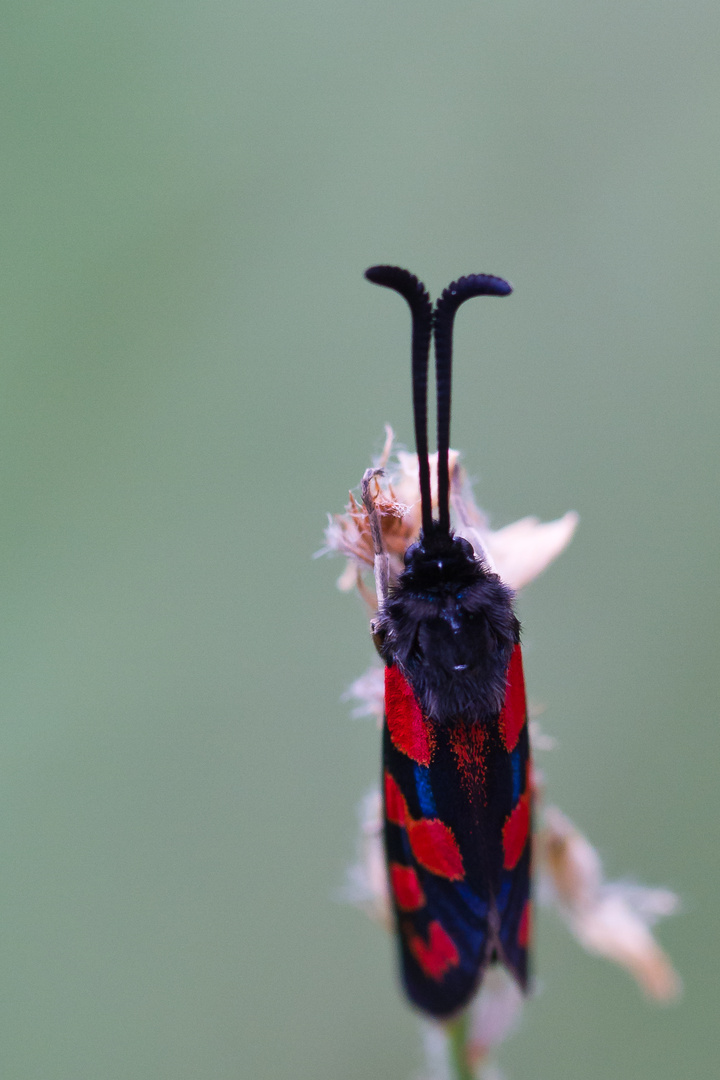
x=608, y=918
x=518, y=552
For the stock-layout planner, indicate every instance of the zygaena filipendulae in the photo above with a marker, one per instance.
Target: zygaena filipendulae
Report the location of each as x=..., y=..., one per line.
x=456, y=759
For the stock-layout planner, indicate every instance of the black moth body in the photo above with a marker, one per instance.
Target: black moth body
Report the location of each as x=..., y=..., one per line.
x=449, y=625
x=457, y=782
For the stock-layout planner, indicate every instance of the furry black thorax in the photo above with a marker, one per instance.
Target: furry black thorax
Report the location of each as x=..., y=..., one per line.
x=449, y=625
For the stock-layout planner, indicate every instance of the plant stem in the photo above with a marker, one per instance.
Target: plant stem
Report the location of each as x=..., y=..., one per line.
x=457, y=1032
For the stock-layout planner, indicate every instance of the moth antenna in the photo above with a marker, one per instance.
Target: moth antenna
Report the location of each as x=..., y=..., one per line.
x=405, y=283
x=444, y=316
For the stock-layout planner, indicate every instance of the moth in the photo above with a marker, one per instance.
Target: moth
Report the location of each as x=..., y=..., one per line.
x=456, y=757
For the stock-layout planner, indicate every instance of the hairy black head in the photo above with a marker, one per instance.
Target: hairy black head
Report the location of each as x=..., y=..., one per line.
x=450, y=627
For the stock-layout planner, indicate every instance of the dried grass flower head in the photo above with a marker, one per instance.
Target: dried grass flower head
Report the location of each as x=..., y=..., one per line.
x=518, y=552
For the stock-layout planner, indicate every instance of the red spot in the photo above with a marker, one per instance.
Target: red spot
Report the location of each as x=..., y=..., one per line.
x=433, y=843
x=468, y=746
x=396, y=809
x=409, y=731
x=435, y=847
x=438, y=955
x=514, y=710
x=406, y=887
x=525, y=927
x=515, y=832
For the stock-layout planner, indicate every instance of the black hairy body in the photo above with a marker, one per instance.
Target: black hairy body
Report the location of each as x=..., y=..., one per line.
x=449, y=625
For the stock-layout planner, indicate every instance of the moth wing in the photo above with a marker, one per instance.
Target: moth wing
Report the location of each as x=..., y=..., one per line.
x=457, y=823
x=514, y=903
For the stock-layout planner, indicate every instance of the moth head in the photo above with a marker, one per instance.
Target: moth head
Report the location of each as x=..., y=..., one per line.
x=440, y=559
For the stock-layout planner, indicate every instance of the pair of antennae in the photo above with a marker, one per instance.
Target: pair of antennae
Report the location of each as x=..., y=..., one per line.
x=425, y=320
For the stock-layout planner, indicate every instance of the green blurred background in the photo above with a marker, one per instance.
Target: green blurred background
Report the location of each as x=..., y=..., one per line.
x=194, y=372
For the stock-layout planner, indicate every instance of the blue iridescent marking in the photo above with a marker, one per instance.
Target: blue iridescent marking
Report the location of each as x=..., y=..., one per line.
x=469, y=930
x=504, y=894
x=460, y=907
x=475, y=903
x=424, y=791
x=516, y=765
